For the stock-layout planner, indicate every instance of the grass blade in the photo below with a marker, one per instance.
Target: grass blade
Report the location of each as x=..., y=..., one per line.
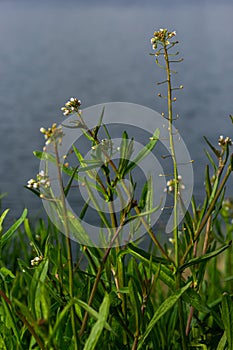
x=99, y=325
x=162, y=309
x=227, y=317
x=144, y=152
x=204, y=257
x=9, y=233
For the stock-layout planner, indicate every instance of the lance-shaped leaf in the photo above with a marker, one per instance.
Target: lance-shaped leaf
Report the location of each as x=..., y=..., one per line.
x=68, y=186
x=223, y=342
x=96, y=204
x=98, y=327
x=216, y=151
x=92, y=312
x=208, y=186
x=204, y=257
x=136, y=305
x=145, y=213
x=162, y=309
x=9, y=233
x=144, y=152
x=126, y=151
x=165, y=274
x=2, y=218
x=227, y=317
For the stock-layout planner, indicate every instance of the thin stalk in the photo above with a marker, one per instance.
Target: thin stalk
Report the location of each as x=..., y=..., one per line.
x=98, y=276
x=120, y=267
x=68, y=244
x=176, y=194
x=173, y=154
x=135, y=343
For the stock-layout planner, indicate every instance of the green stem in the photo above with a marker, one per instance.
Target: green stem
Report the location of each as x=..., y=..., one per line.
x=176, y=194
x=68, y=243
x=173, y=154
x=98, y=276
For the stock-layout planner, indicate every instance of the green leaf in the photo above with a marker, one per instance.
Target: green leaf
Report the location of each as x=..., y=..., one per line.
x=92, y=312
x=96, y=129
x=2, y=218
x=47, y=156
x=145, y=213
x=162, y=309
x=149, y=198
x=211, y=160
x=60, y=317
x=40, y=277
x=68, y=186
x=223, y=342
x=10, y=319
x=202, y=213
x=6, y=273
x=144, y=152
x=96, y=204
x=126, y=150
x=227, y=317
x=24, y=310
x=78, y=154
x=9, y=233
x=216, y=151
x=144, y=256
x=136, y=305
x=191, y=297
x=208, y=186
x=204, y=257
x=142, y=201
x=97, y=329
x=28, y=230
x=189, y=224
x=93, y=165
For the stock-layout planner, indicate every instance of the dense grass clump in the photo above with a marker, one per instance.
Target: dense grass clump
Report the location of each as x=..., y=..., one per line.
x=58, y=294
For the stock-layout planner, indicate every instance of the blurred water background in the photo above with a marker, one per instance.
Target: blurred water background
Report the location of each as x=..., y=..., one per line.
x=99, y=52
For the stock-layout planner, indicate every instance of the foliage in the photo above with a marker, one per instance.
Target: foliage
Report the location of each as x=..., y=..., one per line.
x=58, y=295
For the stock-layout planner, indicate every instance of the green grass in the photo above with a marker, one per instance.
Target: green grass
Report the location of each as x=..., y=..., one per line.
x=56, y=294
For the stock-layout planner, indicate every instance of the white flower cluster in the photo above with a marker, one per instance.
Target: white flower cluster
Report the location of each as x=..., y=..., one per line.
x=36, y=260
x=71, y=106
x=52, y=134
x=42, y=180
x=162, y=36
x=171, y=185
x=224, y=142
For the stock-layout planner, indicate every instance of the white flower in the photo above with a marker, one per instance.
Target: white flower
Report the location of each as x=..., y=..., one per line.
x=36, y=260
x=48, y=142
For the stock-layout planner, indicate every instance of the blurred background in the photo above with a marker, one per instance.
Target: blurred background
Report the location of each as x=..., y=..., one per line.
x=98, y=51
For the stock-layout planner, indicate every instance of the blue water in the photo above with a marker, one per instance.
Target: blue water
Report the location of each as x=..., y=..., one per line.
x=100, y=53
